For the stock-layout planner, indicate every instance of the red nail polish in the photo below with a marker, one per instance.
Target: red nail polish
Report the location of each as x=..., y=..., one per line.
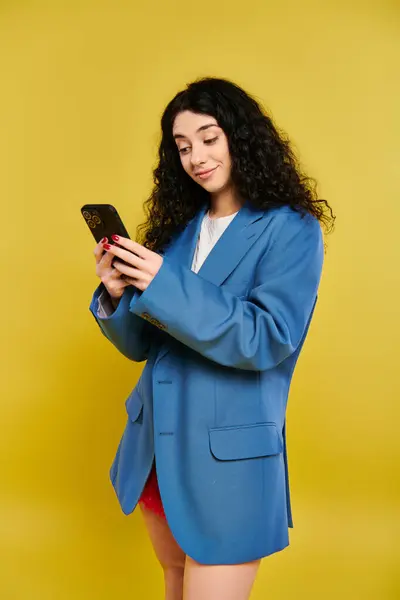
x=106, y=246
x=115, y=238
x=104, y=240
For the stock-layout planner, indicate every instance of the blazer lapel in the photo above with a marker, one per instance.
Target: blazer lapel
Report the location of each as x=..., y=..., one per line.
x=236, y=240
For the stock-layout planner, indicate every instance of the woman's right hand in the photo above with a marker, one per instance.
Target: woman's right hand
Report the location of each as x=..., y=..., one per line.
x=111, y=278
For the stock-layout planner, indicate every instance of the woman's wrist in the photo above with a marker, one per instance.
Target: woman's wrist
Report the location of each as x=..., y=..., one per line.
x=115, y=301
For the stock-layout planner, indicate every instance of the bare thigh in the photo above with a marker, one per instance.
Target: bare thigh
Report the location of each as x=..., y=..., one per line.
x=186, y=579
x=169, y=554
x=218, y=582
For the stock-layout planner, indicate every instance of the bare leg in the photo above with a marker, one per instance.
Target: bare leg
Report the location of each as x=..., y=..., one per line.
x=218, y=582
x=169, y=554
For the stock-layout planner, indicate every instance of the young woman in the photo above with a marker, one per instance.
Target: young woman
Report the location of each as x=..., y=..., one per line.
x=218, y=299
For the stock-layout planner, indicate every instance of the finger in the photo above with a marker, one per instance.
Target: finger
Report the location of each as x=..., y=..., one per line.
x=106, y=260
x=116, y=275
x=99, y=250
x=126, y=256
x=128, y=271
x=135, y=282
x=134, y=247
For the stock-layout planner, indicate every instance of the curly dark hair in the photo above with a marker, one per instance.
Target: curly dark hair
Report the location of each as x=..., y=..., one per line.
x=265, y=169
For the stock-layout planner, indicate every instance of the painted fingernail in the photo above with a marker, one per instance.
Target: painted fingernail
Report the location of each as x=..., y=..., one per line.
x=104, y=240
x=106, y=246
x=115, y=238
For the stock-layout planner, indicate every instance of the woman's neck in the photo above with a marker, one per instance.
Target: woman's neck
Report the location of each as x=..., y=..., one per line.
x=224, y=204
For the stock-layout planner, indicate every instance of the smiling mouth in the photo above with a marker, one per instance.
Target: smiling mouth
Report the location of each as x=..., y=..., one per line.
x=206, y=174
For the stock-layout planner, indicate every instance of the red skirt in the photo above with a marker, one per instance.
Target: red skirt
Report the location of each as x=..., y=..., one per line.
x=150, y=497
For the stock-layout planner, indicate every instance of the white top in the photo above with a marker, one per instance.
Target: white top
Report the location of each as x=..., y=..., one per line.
x=210, y=232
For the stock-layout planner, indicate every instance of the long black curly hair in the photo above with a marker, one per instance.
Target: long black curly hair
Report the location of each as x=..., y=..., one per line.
x=265, y=169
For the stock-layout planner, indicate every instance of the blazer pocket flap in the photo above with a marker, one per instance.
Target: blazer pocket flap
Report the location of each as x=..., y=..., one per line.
x=134, y=405
x=245, y=441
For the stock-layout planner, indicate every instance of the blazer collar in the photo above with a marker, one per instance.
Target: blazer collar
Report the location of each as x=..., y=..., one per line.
x=236, y=240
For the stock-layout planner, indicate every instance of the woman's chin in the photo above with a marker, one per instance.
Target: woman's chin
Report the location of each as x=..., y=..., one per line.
x=214, y=187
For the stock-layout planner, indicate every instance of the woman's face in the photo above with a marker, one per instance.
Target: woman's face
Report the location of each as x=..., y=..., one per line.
x=203, y=150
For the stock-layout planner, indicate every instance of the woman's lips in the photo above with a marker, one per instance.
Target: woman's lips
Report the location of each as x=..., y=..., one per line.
x=207, y=174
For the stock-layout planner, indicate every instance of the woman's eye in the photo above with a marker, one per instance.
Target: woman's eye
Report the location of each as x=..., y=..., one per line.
x=211, y=141
x=182, y=150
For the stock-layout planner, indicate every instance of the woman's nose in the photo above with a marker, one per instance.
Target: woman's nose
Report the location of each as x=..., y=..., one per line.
x=198, y=157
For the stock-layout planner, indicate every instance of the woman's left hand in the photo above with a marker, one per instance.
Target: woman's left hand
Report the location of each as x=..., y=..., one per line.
x=142, y=264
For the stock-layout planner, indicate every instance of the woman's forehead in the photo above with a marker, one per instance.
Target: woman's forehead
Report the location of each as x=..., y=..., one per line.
x=189, y=123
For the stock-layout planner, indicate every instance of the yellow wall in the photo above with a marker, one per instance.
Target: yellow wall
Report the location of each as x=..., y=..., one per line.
x=83, y=85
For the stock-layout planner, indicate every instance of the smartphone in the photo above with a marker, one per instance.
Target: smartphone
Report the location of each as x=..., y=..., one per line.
x=103, y=220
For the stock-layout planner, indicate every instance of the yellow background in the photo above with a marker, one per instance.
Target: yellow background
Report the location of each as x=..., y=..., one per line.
x=83, y=85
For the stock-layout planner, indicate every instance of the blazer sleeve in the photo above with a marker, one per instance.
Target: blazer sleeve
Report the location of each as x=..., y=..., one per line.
x=257, y=333
x=130, y=334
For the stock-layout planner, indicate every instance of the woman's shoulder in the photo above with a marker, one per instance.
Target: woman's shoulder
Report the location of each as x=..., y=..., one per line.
x=288, y=223
x=293, y=217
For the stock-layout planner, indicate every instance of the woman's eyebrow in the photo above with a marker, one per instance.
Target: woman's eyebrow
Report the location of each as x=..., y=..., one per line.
x=179, y=135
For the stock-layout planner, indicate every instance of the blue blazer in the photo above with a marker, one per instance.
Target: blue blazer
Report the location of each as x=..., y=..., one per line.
x=221, y=346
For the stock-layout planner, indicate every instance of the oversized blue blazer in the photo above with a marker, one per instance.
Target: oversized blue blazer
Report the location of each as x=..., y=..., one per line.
x=221, y=346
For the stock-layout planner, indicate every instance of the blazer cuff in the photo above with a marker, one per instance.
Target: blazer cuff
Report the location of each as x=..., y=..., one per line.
x=105, y=307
